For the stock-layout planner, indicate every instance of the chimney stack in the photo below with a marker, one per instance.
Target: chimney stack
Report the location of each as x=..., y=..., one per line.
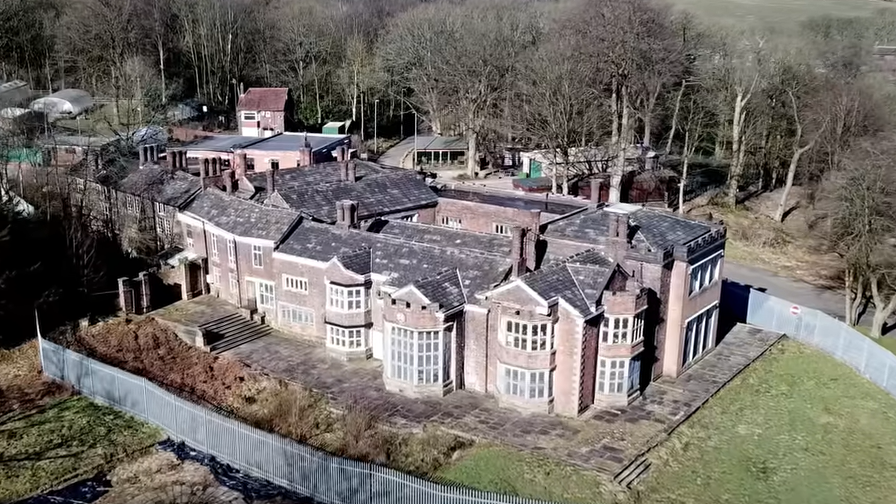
x=517, y=254
x=272, y=179
x=595, y=191
x=618, y=225
x=241, y=164
x=171, y=159
x=346, y=214
x=351, y=171
x=340, y=154
x=141, y=150
x=154, y=150
x=305, y=153
x=228, y=181
x=531, y=239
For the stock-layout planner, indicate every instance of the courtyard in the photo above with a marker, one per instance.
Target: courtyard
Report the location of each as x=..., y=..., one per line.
x=602, y=440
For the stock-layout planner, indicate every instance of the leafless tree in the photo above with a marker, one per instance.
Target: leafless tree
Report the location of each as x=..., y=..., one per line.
x=863, y=228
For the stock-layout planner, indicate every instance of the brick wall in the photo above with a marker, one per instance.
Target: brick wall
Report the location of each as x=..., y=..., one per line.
x=482, y=218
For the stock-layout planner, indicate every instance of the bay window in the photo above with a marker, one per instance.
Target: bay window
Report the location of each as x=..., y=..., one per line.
x=528, y=336
x=346, y=338
x=618, y=376
x=346, y=299
x=419, y=357
x=698, y=335
x=524, y=383
x=622, y=330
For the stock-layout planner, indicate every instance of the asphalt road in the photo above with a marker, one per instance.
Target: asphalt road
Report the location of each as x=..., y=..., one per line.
x=801, y=293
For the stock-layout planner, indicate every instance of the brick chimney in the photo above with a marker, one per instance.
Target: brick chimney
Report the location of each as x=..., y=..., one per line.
x=228, y=181
x=346, y=214
x=305, y=153
x=349, y=171
x=617, y=225
x=171, y=160
x=531, y=238
x=340, y=154
x=240, y=164
x=517, y=251
x=272, y=180
x=595, y=191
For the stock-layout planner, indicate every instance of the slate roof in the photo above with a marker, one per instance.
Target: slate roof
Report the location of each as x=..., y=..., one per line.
x=443, y=236
x=579, y=281
x=404, y=262
x=160, y=185
x=378, y=191
x=264, y=99
x=444, y=288
x=507, y=201
x=295, y=141
x=655, y=229
x=240, y=217
x=357, y=261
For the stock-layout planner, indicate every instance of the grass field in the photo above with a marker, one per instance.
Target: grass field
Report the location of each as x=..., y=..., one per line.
x=71, y=438
x=796, y=427
x=509, y=471
x=780, y=14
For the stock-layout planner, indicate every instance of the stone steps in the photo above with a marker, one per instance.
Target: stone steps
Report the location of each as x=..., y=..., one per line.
x=231, y=331
x=633, y=473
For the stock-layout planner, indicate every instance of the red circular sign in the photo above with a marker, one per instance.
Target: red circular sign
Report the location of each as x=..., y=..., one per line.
x=795, y=310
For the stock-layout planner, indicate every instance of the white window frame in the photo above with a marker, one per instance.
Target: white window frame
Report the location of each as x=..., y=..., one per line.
x=502, y=229
x=518, y=334
x=160, y=208
x=249, y=115
x=418, y=356
x=346, y=338
x=132, y=204
x=698, y=334
x=264, y=298
x=347, y=299
x=295, y=284
x=273, y=160
x=528, y=384
x=622, y=329
x=613, y=376
x=257, y=256
x=216, y=275
x=704, y=273
x=213, y=238
x=296, y=315
x=231, y=252
x=410, y=218
x=452, y=222
x=234, y=283
x=188, y=236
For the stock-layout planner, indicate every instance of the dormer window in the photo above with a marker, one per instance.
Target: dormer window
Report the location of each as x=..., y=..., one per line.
x=528, y=336
x=622, y=330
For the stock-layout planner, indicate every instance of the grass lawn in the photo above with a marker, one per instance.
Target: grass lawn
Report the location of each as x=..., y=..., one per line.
x=70, y=438
x=509, y=471
x=797, y=426
x=781, y=14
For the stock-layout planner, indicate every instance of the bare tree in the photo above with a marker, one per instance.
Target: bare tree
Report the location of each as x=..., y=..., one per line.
x=559, y=105
x=863, y=228
x=695, y=117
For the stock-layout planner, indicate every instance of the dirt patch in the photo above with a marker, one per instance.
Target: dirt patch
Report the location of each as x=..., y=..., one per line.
x=22, y=386
x=147, y=348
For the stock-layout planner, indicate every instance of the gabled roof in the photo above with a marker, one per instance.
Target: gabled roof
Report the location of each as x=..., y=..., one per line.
x=403, y=262
x=273, y=99
x=240, y=217
x=161, y=185
x=378, y=191
x=357, y=261
x=444, y=288
x=579, y=281
x=655, y=229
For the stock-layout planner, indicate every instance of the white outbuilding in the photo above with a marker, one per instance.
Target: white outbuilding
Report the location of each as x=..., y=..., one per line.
x=63, y=103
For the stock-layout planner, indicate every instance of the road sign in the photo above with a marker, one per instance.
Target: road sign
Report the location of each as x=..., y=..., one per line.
x=795, y=310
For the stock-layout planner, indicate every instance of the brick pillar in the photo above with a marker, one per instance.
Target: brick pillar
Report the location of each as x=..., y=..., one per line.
x=202, y=277
x=144, y=280
x=125, y=295
x=182, y=160
x=186, y=287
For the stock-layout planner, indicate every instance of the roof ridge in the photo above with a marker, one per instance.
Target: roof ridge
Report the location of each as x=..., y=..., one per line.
x=578, y=287
x=396, y=239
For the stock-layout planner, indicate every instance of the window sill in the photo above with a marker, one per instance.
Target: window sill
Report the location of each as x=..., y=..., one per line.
x=703, y=289
x=545, y=405
x=615, y=400
x=418, y=390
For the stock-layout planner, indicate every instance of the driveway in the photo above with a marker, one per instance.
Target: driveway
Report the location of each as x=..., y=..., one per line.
x=795, y=291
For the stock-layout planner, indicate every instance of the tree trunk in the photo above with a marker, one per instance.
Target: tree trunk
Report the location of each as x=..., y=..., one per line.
x=684, y=171
x=855, y=295
x=883, y=308
x=674, y=118
x=648, y=118
x=618, y=170
x=162, y=71
x=472, y=152
x=788, y=183
x=736, y=151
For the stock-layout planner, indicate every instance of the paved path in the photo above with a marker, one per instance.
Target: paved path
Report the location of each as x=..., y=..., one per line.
x=795, y=291
x=605, y=440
